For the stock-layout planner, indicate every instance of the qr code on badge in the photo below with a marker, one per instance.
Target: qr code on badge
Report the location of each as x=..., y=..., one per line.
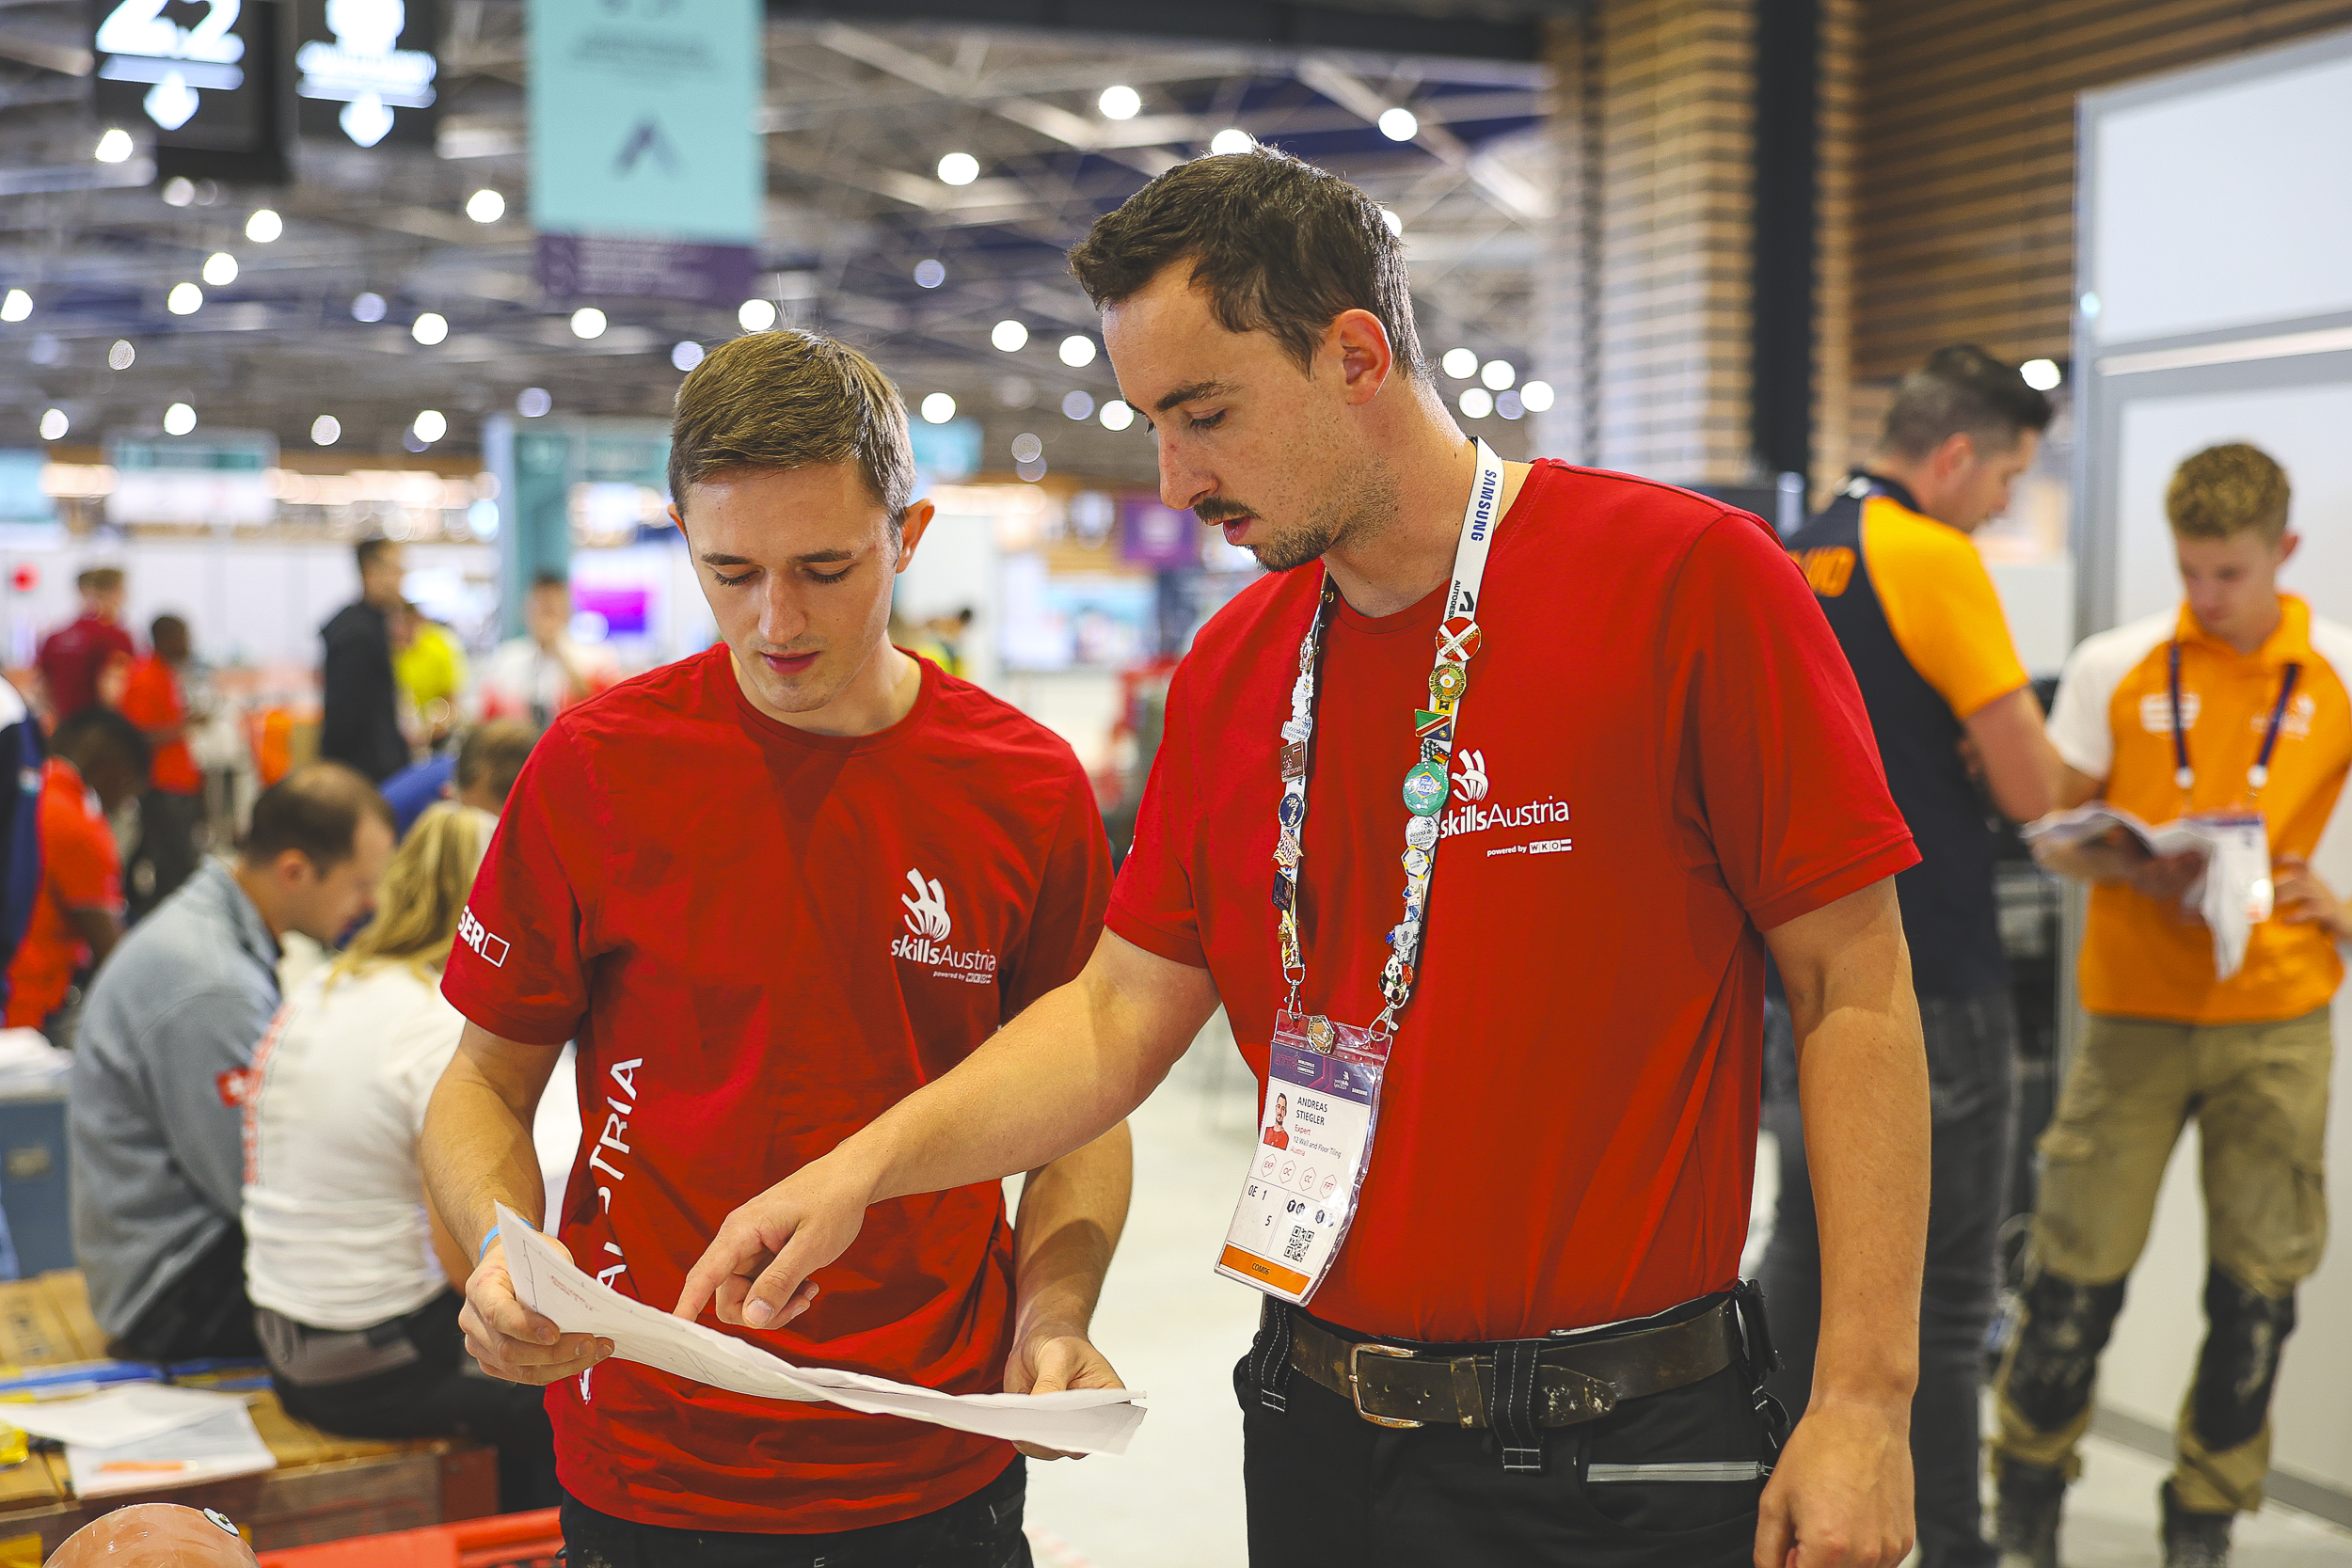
x=1300, y=1238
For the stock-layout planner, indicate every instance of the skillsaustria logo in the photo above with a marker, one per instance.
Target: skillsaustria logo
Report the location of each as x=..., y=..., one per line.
x=929, y=927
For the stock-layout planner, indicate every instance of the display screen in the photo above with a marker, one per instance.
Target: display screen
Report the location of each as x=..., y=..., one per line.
x=366, y=71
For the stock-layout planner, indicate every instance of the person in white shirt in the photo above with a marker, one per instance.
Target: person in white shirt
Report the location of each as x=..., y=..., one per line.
x=537, y=675
x=348, y=1266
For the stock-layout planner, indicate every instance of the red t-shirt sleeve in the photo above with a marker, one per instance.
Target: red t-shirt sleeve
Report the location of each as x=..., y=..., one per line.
x=517, y=968
x=1153, y=904
x=1068, y=920
x=1779, y=783
x=82, y=863
x=149, y=700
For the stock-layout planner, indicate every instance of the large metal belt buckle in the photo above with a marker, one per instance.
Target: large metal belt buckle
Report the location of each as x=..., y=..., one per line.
x=1355, y=1383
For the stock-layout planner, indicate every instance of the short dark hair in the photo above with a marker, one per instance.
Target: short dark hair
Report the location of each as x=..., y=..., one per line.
x=495, y=752
x=1963, y=390
x=1280, y=245
x=316, y=810
x=163, y=623
x=787, y=399
x=100, y=580
x=369, y=548
x=550, y=580
x=96, y=731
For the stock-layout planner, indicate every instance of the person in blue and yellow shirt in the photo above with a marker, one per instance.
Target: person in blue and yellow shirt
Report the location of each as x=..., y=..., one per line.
x=1896, y=572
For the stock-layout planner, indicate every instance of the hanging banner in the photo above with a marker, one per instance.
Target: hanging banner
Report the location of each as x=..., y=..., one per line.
x=365, y=71
x=200, y=77
x=647, y=176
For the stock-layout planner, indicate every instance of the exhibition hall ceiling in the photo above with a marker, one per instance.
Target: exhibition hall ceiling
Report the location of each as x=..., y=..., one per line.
x=387, y=282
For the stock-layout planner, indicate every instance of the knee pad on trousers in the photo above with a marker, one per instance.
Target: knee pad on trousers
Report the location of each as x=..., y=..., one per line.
x=2066, y=1327
x=2239, y=1363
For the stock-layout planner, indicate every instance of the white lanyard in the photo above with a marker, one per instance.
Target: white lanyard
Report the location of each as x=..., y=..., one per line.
x=1428, y=782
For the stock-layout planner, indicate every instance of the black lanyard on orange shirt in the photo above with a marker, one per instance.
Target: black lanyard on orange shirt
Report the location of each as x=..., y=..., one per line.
x=2256, y=776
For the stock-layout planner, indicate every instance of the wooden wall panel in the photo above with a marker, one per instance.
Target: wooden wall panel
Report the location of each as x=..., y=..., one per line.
x=1964, y=160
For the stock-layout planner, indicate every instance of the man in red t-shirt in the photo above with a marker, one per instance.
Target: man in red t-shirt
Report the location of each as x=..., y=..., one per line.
x=97, y=762
x=173, y=807
x=82, y=663
x=1662, y=770
x=769, y=891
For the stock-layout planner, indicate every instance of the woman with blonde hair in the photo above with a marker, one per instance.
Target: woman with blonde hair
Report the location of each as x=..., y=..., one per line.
x=349, y=1270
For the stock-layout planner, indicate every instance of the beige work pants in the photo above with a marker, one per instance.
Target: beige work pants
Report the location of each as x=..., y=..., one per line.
x=2259, y=1094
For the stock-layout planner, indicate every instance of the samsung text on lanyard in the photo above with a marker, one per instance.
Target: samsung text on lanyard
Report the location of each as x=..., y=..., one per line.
x=2241, y=852
x=1323, y=1076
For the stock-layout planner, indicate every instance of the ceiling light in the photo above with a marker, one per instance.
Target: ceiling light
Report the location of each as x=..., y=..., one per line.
x=1009, y=335
x=186, y=299
x=1230, y=140
x=2043, y=375
x=263, y=227
x=121, y=357
x=430, y=425
x=588, y=322
x=1120, y=102
x=930, y=273
x=115, y=146
x=1077, y=405
x=1077, y=350
x=179, y=419
x=959, y=169
x=1536, y=395
x=1399, y=124
x=1395, y=224
x=485, y=206
x=1476, y=403
x=220, y=269
x=179, y=190
x=53, y=424
x=16, y=306
x=939, y=409
x=531, y=401
x=325, y=431
x=432, y=328
x=1115, y=415
x=368, y=306
x=1027, y=447
x=1459, y=363
x=1498, y=374
x=686, y=355
x=756, y=315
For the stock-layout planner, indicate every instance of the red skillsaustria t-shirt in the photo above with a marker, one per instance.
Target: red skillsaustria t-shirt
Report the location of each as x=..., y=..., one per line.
x=1662, y=752
x=761, y=939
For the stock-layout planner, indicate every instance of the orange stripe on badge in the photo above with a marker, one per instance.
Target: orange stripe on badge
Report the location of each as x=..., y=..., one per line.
x=1256, y=1267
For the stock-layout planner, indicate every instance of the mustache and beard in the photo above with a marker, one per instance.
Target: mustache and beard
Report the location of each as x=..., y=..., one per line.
x=1347, y=517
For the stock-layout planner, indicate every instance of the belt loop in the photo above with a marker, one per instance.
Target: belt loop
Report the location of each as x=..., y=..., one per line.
x=1270, y=1356
x=1512, y=1413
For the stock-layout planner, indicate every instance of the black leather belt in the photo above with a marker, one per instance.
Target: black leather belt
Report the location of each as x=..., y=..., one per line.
x=1391, y=1385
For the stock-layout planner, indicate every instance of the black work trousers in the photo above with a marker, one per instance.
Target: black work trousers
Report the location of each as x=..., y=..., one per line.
x=201, y=1315
x=1328, y=1489
x=1972, y=1052
x=440, y=1394
x=981, y=1531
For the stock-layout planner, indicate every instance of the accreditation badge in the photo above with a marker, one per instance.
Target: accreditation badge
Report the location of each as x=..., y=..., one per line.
x=1315, y=1138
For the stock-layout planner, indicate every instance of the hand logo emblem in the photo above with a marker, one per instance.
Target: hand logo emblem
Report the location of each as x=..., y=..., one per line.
x=927, y=909
x=1471, y=782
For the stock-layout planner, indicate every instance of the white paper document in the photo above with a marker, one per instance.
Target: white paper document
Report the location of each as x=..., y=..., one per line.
x=130, y=1413
x=1084, y=1421
x=2231, y=896
x=218, y=1445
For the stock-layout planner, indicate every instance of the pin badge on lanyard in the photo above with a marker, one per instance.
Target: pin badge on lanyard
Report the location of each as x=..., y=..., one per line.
x=1323, y=1077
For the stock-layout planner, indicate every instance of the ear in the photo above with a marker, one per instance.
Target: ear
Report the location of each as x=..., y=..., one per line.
x=912, y=526
x=1958, y=450
x=292, y=868
x=2287, y=546
x=1360, y=344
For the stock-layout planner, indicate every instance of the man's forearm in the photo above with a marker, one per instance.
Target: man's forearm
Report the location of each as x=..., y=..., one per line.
x=1054, y=1080
x=477, y=1153
x=2089, y=862
x=1071, y=1213
x=1861, y=1075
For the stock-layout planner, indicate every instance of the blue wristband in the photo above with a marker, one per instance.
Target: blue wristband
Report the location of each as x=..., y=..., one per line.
x=487, y=1239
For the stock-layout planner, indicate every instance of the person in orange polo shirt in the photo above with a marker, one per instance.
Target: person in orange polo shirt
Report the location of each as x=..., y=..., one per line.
x=98, y=760
x=2236, y=700
x=172, y=810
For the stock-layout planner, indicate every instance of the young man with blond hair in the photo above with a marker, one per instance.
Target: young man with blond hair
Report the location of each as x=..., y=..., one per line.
x=2236, y=701
x=772, y=890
